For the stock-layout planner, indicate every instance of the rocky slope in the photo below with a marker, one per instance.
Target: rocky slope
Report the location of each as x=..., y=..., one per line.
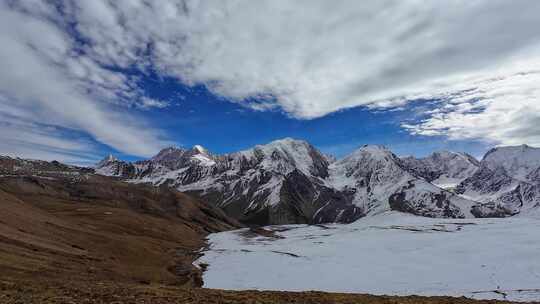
x=289, y=181
x=506, y=182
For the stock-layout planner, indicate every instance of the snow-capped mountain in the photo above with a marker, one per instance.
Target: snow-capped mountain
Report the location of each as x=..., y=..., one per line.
x=506, y=182
x=289, y=181
x=381, y=181
x=519, y=162
x=281, y=182
x=444, y=169
x=112, y=166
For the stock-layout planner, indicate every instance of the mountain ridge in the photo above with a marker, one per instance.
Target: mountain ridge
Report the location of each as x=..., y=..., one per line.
x=290, y=181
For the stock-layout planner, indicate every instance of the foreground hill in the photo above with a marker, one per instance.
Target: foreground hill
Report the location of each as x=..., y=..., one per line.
x=62, y=223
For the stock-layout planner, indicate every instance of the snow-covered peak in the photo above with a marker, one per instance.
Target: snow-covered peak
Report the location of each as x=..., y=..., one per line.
x=506, y=183
x=365, y=161
x=287, y=154
x=380, y=181
x=111, y=166
x=105, y=161
x=372, y=152
x=449, y=155
x=110, y=158
x=446, y=154
x=377, y=149
x=508, y=152
x=201, y=156
x=450, y=162
x=175, y=158
x=200, y=149
x=168, y=153
x=517, y=161
x=287, y=143
x=204, y=160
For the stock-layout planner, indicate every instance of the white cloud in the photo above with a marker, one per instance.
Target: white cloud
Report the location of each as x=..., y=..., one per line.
x=46, y=82
x=153, y=103
x=314, y=57
x=501, y=109
x=310, y=58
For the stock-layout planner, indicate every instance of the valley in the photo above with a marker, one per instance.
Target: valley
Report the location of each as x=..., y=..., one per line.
x=387, y=254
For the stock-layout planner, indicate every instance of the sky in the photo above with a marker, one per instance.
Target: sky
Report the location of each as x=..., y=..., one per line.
x=82, y=79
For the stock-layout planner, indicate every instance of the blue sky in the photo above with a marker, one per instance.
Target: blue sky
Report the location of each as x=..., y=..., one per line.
x=81, y=79
x=197, y=116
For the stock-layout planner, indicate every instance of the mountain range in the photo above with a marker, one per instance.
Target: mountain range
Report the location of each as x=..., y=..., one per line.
x=290, y=181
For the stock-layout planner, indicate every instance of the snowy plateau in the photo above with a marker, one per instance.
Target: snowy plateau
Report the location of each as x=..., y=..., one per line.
x=388, y=254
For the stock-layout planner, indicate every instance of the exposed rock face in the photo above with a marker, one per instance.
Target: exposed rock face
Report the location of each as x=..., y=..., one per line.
x=506, y=183
x=289, y=181
x=444, y=169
